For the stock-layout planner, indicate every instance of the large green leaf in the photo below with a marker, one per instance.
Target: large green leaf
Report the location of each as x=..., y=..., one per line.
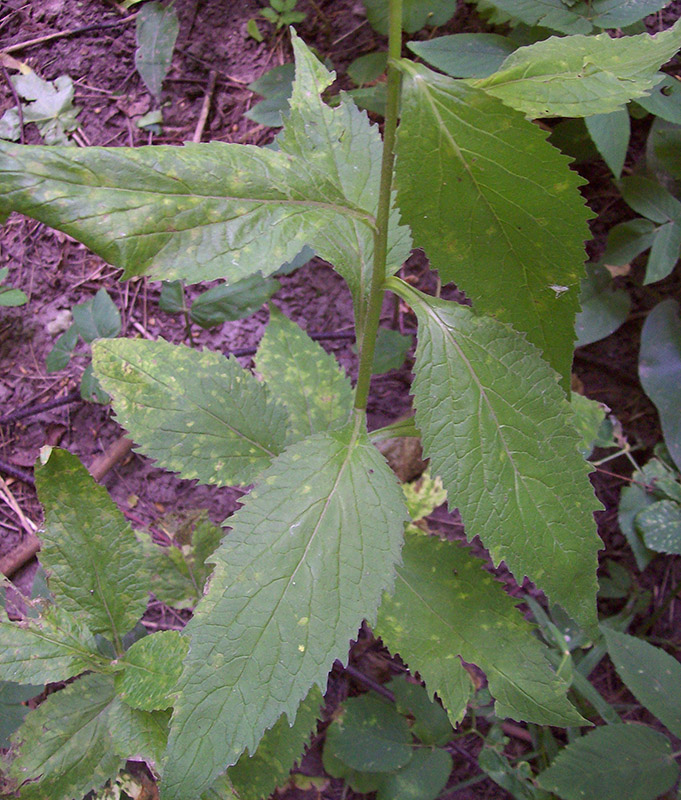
x=498, y=432
x=653, y=676
x=659, y=369
x=197, y=413
x=507, y=222
x=65, y=743
x=256, y=776
x=611, y=763
x=309, y=556
x=465, y=55
x=309, y=381
x=568, y=16
x=218, y=210
x=577, y=76
x=446, y=606
x=138, y=735
x=89, y=549
x=53, y=647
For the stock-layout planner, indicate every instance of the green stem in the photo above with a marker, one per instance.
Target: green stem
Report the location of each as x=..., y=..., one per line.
x=369, y=326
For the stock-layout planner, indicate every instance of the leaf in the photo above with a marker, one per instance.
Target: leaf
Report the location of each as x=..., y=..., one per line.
x=60, y=355
x=415, y=14
x=12, y=297
x=370, y=735
x=368, y=68
x=97, y=318
x=446, y=606
x=664, y=100
x=172, y=299
x=275, y=86
x=651, y=199
x=501, y=180
x=53, y=647
x=50, y=108
x=577, y=76
x=196, y=413
x=391, y=350
x=89, y=549
x=634, y=498
x=423, y=778
x=653, y=676
x=423, y=496
x=498, y=432
x=465, y=55
x=613, y=762
x=604, y=308
x=227, y=303
x=12, y=708
x=610, y=133
x=659, y=369
x=588, y=418
x=664, y=252
x=308, y=557
x=431, y=723
x=152, y=668
x=65, y=742
x=138, y=735
x=257, y=776
x=217, y=210
x=157, y=29
x=569, y=17
x=660, y=526
x=307, y=380
x=177, y=575
x=626, y=240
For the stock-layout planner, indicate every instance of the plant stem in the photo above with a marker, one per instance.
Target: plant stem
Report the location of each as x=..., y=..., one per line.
x=369, y=327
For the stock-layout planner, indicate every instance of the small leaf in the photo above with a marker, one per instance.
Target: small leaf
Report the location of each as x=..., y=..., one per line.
x=157, y=29
x=501, y=178
x=610, y=133
x=423, y=778
x=664, y=100
x=310, y=553
x=50, y=108
x=391, y=350
x=664, y=252
x=415, y=14
x=446, y=606
x=499, y=434
x=53, y=647
x=370, y=735
x=653, y=676
x=64, y=746
x=660, y=526
x=238, y=300
x=253, y=30
x=89, y=548
x=12, y=297
x=138, y=735
x=554, y=14
x=613, y=762
x=97, y=318
x=308, y=381
x=626, y=240
x=256, y=776
x=172, y=299
x=275, y=86
x=12, y=708
x=465, y=55
x=604, y=308
x=577, y=76
x=588, y=419
x=60, y=355
x=152, y=668
x=196, y=413
x=651, y=199
x=431, y=723
x=368, y=68
x=659, y=369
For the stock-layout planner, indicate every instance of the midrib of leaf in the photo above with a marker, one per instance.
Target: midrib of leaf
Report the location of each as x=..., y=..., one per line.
x=65, y=643
x=481, y=195
x=206, y=411
x=458, y=633
x=447, y=333
x=324, y=509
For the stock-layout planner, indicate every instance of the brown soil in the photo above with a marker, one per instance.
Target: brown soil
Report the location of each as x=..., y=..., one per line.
x=57, y=273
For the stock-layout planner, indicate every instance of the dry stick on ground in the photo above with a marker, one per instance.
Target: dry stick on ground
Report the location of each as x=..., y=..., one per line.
x=30, y=545
x=14, y=48
x=205, y=108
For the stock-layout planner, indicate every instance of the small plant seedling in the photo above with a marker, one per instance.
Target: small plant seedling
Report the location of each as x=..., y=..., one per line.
x=8, y=295
x=282, y=13
x=319, y=545
x=94, y=319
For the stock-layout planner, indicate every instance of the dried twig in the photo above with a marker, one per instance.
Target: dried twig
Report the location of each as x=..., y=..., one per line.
x=205, y=108
x=14, y=48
